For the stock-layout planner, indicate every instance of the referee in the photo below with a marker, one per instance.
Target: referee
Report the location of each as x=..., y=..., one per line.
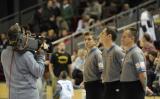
x=93, y=67
x=112, y=60
x=133, y=76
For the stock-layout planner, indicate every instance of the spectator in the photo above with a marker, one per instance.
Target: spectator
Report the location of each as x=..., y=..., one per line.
x=84, y=23
x=67, y=12
x=151, y=68
x=60, y=61
x=51, y=37
x=48, y=16
x=147, y=44
x=56, y=8
x=94, y=9
x=56, y=3
x=74, y=55
x=125, y=7
x=79, y=61
x=98, y=28
x=43, y=34
x=110, y=10
x=63, y=33
x=62, y=24
x=37, y=22
x=3, y=41
x=82, y=5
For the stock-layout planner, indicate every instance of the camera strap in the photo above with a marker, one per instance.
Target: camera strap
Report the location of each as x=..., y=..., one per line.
x=10, y=76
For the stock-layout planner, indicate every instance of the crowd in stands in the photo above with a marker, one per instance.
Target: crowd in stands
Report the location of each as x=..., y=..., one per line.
x=69, y=16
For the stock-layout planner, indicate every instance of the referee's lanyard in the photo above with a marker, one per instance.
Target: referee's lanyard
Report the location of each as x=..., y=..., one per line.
x=92, y=50
x=111, y=48
x=128, y=52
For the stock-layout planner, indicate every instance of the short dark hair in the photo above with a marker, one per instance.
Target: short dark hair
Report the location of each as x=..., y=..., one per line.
x=113, y=31
x=133, y=32
x=90, y=34
x=64, y=75
x=13, y=32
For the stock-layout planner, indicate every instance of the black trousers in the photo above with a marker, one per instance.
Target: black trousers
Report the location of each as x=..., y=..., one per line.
x=112, y=90
x=132, y=90
x=94, y=89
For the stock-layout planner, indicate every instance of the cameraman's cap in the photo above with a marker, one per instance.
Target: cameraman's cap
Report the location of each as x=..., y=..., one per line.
x=13, y=31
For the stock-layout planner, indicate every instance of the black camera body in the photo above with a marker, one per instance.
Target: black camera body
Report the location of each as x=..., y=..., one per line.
x=22, y=40
x=28, y=43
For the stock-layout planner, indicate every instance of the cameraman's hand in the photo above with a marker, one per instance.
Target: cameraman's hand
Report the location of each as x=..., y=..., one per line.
x=40, y=55
x=40, y=52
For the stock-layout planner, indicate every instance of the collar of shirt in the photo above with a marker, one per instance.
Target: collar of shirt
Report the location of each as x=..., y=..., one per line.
x=130, y=49
x=92, y=50
x=113, y=45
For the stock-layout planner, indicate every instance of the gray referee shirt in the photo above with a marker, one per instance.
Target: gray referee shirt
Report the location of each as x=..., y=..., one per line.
x=112, y=60
x=134, y=63
x=93, y=65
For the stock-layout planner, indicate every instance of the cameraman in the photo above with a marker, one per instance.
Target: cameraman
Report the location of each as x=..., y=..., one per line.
x=21, y=69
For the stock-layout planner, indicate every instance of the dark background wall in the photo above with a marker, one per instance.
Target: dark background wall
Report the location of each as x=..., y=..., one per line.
x=8, y=7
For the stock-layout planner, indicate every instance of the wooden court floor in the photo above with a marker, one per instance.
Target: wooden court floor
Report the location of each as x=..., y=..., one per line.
x=78, y=94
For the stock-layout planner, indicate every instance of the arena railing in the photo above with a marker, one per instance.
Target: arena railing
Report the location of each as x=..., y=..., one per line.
x=120, y=21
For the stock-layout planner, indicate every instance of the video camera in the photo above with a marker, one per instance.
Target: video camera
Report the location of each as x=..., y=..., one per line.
x=22, y=39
